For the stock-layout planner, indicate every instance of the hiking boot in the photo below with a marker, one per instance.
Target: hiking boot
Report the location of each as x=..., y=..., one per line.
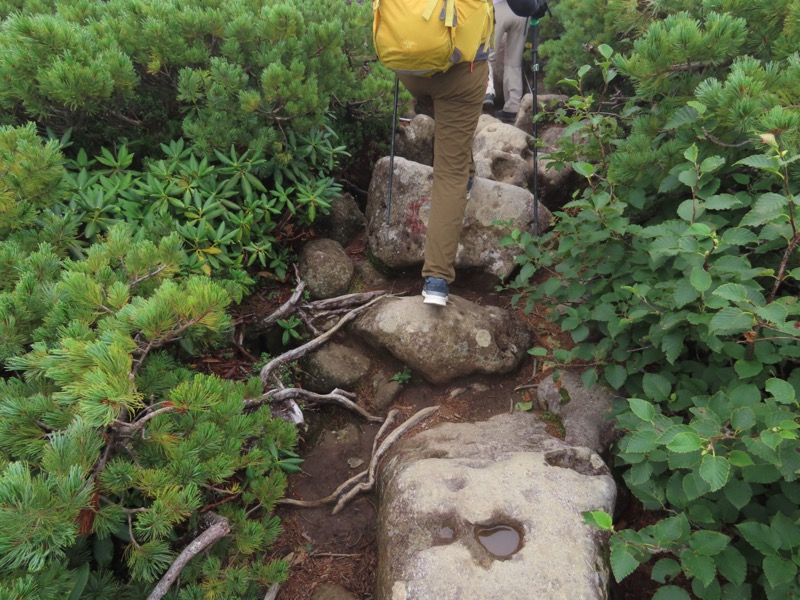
x=488, y=102
x=434, y=291
x=505, y=116
x=470, y=183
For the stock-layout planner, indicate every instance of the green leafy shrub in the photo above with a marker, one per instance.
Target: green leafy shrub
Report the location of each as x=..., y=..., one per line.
x=232, y=212
x=677, y=273
x=112, y=454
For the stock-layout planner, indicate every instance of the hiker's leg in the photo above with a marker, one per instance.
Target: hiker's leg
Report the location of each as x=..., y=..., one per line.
x=458, y=101
x=516, y=29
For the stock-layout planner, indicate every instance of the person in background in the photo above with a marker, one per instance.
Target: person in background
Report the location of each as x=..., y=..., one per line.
x=456, y=97
x=510, y=34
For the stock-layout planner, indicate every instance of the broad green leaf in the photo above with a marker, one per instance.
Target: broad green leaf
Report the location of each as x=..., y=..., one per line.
x=684, y=293
x=688, y=210
x=670, y=530
x=738, y=492
x=685, y=442
x=615, y=375
x=760, y=161
x=711, y=164
x=732, y=565
x=523, y=406
x=722, y=202
x=781, y=390
x=642, y=409
x=665, y=570
x=700, y=280
x=746, y=369
x=700, y=230
x=680, y=117
x=643, y=441
x=735, y=292
x=81, y=580
x=768, y=207
x=694, y=487
x=743, y=418
x=761, y=537
x=715, y=471
x=739, y=236
x=671, y=592
x=622, y=561
x=730, y=321
x=589, y=378
x=697, y=565
x=690, y=153
x=708, y=542
x=739, y=459
x=605, y=50
x=779, y=571
x=773, y=313
x=599, y=519
x=538, y=351
x=656, y=386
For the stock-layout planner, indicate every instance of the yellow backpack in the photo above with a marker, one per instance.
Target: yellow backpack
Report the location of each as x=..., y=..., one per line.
x=423, y=37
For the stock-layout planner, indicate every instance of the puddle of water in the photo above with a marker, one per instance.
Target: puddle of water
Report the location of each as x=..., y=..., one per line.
x=446, y=533
x=500, y=540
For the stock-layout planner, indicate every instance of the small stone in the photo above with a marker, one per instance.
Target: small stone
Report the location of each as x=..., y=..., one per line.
x=355, y=462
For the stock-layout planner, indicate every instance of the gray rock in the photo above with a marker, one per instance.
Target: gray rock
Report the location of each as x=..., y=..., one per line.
x=326, y=268
x=384, y=391
x=439, y=488
x=548, y=103
x=443, y=343
x=584, y=411
x=369, y=275
x=415, y=140
x=400, y=244
x=344, y=223
x=334, y=366
x=332, y=591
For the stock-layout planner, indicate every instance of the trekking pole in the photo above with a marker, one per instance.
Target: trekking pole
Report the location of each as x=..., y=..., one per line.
x=535, y=111
x=391, y=154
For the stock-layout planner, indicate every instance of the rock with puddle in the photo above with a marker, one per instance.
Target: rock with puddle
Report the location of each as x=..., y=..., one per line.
x=491, y=510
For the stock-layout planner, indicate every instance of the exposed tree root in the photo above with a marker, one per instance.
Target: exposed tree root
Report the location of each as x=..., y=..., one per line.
x=365, y=481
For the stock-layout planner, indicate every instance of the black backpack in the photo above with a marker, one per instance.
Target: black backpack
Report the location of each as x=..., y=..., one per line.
x=535, y=9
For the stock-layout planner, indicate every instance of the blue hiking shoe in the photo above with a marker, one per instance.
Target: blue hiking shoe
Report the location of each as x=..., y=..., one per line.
x=470, y=183
x=434, y=291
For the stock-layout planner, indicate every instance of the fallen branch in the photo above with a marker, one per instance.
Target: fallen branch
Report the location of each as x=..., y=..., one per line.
x=218, y=528
x=300, y=351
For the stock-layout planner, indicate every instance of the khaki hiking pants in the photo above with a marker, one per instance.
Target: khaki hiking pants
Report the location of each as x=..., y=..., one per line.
x=510, y=33
x=457, y=99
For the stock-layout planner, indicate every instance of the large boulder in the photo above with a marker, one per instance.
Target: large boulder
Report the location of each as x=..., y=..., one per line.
x=343, y=223
x=443, y=343
x=326, y=268
x=400, y=244
x=415, y=140
x=491, y=510
x=333, y=366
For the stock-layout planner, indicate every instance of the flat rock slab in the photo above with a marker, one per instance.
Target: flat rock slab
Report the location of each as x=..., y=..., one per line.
x=439, y=489
x=443, y=343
